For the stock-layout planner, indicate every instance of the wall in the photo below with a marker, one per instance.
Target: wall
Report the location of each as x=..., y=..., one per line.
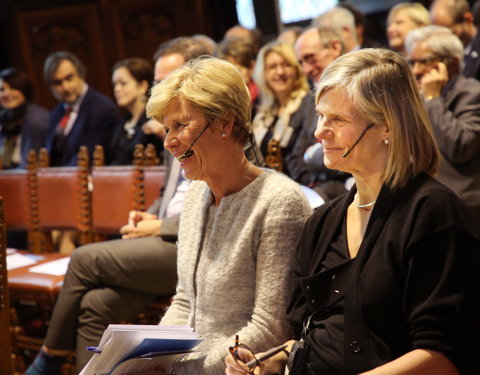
x=99, y=32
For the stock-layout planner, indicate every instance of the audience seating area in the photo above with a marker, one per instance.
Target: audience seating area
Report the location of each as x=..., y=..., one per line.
x=93, y=202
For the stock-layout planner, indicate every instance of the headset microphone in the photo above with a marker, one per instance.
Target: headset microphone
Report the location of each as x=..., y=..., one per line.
x=357, y=141
x=189, y=151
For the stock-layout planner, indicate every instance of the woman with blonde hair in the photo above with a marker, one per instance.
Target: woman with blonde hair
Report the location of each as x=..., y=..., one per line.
x=403, y=18
x=387, y=276
x=236, y=233
x=286, y=104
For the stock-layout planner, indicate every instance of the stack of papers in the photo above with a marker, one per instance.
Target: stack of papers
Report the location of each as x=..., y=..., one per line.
x=129, y=348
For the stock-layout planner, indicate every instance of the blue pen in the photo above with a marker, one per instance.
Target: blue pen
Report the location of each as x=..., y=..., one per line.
x=94, y=349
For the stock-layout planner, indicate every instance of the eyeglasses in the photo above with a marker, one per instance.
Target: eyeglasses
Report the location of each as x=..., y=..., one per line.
x=234, y=351
x=272, y=67
x=309, y=58
x=424, y=62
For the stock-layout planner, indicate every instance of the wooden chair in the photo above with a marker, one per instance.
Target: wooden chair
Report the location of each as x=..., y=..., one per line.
x=20, y=203
x=6, y=365
x=117, y=190
x=63, y=199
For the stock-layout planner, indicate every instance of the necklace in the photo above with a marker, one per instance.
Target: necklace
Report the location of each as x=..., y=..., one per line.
x=366, y=205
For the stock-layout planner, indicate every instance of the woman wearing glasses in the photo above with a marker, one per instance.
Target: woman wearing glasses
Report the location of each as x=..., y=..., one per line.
x=239, y=223
x=286, y=104
x=386, y=276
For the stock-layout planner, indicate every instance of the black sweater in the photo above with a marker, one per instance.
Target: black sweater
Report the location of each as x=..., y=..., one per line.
x=415, y=283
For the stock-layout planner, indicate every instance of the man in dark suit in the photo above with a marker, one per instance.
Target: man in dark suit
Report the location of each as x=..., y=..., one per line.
x=453, y=105
x=83, y=116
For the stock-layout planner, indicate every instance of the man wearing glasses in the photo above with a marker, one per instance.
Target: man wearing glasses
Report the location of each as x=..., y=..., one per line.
x=315, y=49
x=452, y=101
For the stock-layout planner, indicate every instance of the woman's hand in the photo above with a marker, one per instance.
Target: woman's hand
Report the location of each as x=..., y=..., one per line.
x=239, y=367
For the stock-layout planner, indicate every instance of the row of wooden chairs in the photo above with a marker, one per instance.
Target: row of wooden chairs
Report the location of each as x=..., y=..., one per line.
x=93, y=201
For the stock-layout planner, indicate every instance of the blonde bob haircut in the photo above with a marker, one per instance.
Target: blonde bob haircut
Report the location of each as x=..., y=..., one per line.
x=268, y=100
x=415, y=11
x=215, y=87
x=382, y=87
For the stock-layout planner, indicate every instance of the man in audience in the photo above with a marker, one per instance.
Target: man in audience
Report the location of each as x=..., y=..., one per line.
x=453, y=106
x=343, y=22
x=113, y=281
x=82, y=117
x=315, y=50
x=456, y=15
x=238, y=31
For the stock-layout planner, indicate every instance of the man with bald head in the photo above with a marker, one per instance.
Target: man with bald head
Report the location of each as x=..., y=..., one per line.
x=456, y=15
x=316, y=49
x=342, y=21
x=174, y=53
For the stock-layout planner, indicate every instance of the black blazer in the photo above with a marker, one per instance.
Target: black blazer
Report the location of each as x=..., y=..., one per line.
x=95, y=124
x=415, y=281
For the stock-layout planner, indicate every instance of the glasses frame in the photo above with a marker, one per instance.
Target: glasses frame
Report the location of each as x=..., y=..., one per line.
x=234, y=352
x=427, y=61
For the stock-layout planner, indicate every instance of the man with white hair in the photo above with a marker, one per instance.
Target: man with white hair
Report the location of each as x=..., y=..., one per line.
x=435, y=55
x=315, y=49
x=343, y=22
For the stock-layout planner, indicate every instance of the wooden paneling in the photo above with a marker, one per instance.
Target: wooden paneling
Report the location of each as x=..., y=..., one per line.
x=73, y=28
x=100, y=33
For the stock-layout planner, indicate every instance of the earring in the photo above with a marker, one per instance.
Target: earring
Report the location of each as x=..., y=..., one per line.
x=386, y=141
x=224, y=135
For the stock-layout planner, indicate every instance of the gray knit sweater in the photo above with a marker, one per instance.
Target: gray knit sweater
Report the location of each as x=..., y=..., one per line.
x=234, y=268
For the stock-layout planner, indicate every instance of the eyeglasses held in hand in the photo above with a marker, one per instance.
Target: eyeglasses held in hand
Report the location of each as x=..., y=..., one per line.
x=256, y=361
x=234, y=352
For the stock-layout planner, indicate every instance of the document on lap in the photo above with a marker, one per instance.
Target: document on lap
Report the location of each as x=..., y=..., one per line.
x=130, y=348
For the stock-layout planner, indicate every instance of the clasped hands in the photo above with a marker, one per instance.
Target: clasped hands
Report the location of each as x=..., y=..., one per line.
x=141, y=224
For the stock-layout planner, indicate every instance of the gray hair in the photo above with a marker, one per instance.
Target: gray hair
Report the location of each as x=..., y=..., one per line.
x=336, y=18
x=441, y=40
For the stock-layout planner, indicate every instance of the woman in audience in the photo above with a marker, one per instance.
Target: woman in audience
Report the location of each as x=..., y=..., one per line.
x=387, y=276
x=286, y=104
x=403, y=18
x=131, y=79
x=23, y=124
x=236, y=233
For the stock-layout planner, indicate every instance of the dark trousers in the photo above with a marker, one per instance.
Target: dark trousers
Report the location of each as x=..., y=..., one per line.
x=108, y=282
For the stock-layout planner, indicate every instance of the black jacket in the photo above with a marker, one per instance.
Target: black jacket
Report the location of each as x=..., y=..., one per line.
x=414, y=283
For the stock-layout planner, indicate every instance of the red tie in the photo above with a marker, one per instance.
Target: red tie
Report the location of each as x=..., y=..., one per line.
x=64, y=120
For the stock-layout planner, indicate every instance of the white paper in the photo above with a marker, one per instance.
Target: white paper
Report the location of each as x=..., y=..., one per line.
x=17, y=260
x=55, y=267
x=120, y=339
x=313, y=197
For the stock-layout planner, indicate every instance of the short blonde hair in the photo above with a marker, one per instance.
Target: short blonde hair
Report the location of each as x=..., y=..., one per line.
x=415, y=11
x=267, y=96
x=214, y=86
x=381, y=85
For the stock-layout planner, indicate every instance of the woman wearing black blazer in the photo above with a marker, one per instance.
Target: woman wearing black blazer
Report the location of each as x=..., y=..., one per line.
x=387, y=276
